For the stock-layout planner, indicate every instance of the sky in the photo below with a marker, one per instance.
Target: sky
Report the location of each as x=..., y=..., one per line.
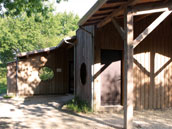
x=79, y=7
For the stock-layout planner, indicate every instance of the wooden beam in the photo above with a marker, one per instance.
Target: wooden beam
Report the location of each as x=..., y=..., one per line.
x=166, y=1
x=151, y=27
x=101, y=14
x=116, y=12
x=107, y=8
x=128, y=69
x=98, y=4
x=96, y=19
x=115, y=1
x=152, y=8
x=138, y=10
x=150, y=11
x=119, y=28
x=133, y=2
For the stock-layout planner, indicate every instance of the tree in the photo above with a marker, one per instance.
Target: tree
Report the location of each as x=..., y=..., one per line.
x=17, y=7
x=26, y=34
x=29, y=25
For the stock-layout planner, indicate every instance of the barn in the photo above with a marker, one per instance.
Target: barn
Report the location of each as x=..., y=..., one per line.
x=121, y=59
x=124, y=56
x=23, y=77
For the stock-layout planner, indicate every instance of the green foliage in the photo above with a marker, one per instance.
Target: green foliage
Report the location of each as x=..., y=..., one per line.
x=58, y=1
x=31, y=33
x=7, y=97
x=26, y=34
x=46, y=73
x=78, y=105
x=29, y=25
x=3, y=81
x=17, y=7
x=3, y=86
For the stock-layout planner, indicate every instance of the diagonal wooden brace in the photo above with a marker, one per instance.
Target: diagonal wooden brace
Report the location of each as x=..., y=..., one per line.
x=119, y=28
x=151, y=27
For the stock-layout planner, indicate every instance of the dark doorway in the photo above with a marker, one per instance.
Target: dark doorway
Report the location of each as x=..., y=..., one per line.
x=111, y=83
x=71, y=77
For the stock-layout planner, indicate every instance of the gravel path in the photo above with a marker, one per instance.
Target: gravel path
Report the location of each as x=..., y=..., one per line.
x=44, y=112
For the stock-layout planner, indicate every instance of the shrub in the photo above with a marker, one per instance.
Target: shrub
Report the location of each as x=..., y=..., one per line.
x=78, y=105
x=7, y=97
x=46, y=73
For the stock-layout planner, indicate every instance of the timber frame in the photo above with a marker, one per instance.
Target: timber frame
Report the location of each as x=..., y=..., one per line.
x=127, y=10
x=130, y=43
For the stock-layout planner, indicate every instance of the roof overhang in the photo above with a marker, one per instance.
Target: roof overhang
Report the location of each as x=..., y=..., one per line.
x=104, y=10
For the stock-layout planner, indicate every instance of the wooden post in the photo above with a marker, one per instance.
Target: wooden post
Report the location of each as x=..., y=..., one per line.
x=128, y=69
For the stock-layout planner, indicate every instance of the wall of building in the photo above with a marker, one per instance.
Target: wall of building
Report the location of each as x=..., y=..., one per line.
x=84, y=55
x=152, y=62
x=105, y=38
x=11, y=78
x=29, y=82
x=153, y=66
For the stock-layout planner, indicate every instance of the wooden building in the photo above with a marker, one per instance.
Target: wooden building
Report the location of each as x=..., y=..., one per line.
x=24, y=79
x=124, y=56
x=122, y=59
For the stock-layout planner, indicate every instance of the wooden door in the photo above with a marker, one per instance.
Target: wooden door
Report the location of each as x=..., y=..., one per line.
x=111, y=61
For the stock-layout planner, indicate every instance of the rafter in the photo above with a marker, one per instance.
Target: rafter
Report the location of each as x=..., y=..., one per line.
x=116, y=12
x=92, y=11
x=133, y=2
x=138, y=10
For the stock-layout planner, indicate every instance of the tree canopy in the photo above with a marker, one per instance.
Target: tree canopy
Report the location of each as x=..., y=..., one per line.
x=28, y=25
x=26, y=34
x=16, y=7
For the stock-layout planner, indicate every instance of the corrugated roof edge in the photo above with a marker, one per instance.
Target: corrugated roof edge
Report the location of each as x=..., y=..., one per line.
x=65, y=40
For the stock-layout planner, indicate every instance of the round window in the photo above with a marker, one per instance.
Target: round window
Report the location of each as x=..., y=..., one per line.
x=46, y=73
x=83, y=73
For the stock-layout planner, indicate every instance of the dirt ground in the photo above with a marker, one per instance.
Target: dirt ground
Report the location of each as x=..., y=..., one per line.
x=44, y=112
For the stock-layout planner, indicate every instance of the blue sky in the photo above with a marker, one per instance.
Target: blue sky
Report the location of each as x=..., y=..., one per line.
x=79, y=7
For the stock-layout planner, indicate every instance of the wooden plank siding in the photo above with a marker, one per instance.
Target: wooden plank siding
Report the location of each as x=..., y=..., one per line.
x=29, y=82
x=105, y=38
x=152, y=61
x=84, y=54
x=157, y=65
